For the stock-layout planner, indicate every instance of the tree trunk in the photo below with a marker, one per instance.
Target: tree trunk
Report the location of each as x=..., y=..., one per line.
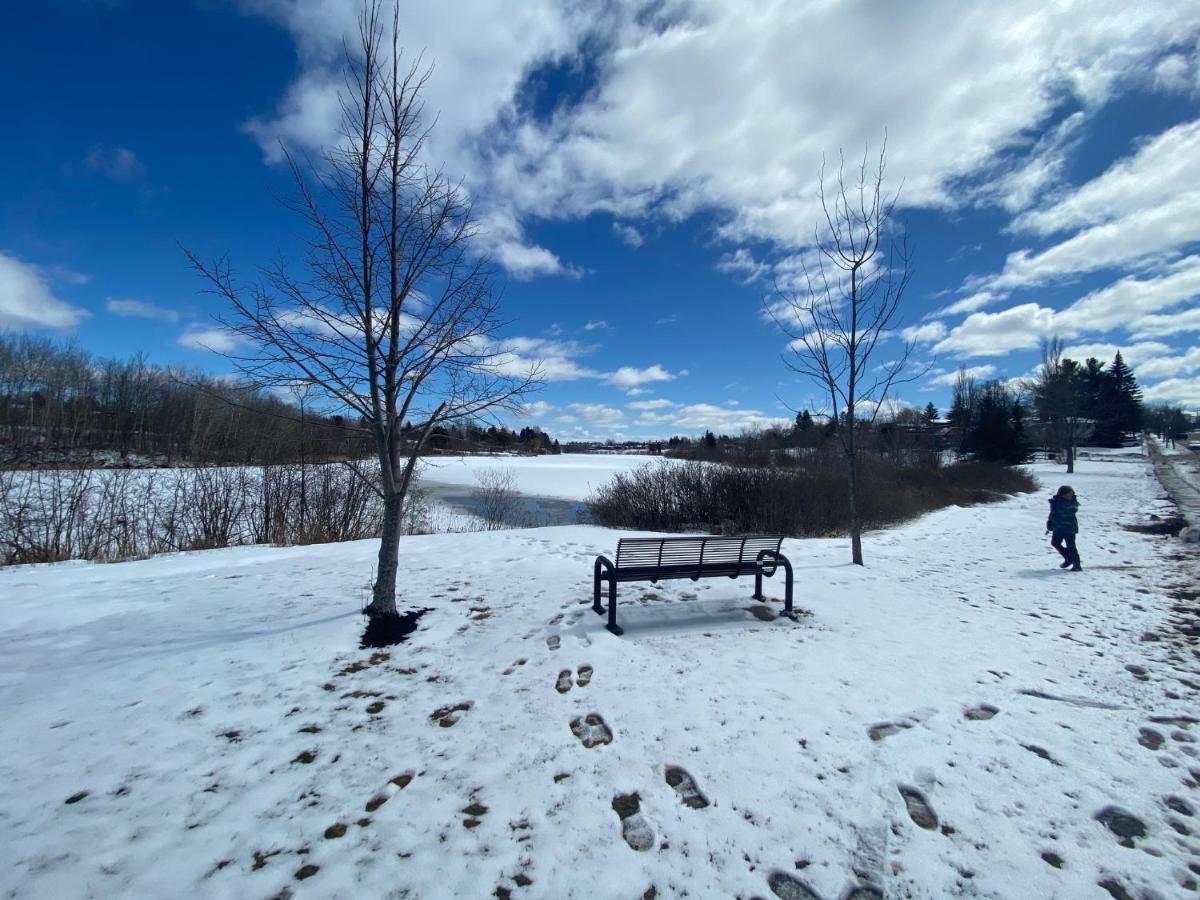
x=855, y=522
x=1070, y=458
x=383, y=595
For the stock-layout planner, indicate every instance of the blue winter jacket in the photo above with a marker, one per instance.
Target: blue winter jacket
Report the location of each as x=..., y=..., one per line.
x=1062, y=515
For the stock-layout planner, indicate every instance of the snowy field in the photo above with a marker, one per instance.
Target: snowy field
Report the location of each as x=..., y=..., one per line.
x=958, y=719
x=569, y=476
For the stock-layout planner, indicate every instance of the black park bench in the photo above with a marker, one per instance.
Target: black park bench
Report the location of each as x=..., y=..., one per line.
x=660, y=559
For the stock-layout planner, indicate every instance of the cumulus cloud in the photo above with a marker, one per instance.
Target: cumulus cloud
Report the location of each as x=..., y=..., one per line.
x=705, y=104
x=214, y=339
x=996, y=334
x=643, y=405
x=1146, y=307
x=597, y=414
x=926, y=333
x=140, y=309
x=27, y=298
x=633, y=377
x=1184, y=391
x=970, y=304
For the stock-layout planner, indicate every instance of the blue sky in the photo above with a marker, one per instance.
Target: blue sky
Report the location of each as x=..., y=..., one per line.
x=643, y=172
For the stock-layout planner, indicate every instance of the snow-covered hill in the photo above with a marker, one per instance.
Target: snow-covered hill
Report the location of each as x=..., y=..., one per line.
x=960, y=718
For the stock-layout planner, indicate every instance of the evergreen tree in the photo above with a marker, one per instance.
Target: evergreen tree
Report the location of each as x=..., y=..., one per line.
x=930, y=414
x=997, y=430
x=804, y=421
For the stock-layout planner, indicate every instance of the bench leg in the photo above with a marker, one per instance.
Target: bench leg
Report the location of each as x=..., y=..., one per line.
x=596, y=607
x=787, y=590
x=612, y=609
x=758, y=594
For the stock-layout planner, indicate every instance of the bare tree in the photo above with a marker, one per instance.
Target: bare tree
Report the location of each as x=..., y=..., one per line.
x=847, y=303
x=393, y=316
x=1059, y=400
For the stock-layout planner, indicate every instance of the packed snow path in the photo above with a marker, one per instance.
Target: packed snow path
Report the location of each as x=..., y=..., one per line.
x=960, y=718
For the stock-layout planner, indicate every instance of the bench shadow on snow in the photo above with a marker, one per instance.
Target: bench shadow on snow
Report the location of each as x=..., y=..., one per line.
x=690, y=616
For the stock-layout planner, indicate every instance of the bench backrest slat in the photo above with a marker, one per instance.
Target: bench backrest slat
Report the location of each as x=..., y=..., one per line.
x=659, y=553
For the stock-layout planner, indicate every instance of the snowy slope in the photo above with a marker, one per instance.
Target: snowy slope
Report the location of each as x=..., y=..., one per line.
x=230, y=740
x=569, y=476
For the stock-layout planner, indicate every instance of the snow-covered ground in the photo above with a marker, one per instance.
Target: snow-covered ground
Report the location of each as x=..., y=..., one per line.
x=948, y=721
x=569, y=476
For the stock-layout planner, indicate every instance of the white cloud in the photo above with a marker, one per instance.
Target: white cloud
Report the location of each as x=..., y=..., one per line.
x=141, y=310
x=973, y=303
x=598, y=325
x=979, y=373
x=1174, y=75
x=742, y=262
x=598, y=414
x=1162, y=326
x=1167, y=366
x=27, y=299
x=707, y=416
x=628, y=234
x=1131, y=301
x=1133, y=354
x=927, y=333
x=1142, y=306
x=705, y=104
x=633, y=377
x=115, y=163
x=1185, y=391
x=995, y=334
x=650, y=404
x=214, y=339
x=1145, y=207
x=505, y=240
x=538, y=409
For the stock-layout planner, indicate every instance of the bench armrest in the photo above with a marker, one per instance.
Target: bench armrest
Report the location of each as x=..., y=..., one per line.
x=603, y=562
x=773, y=555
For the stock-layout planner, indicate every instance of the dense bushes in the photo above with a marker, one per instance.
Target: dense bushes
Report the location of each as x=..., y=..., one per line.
x=801, y=502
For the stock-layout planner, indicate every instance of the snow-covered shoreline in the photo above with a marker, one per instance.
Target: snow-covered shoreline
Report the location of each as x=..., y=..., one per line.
x=228, y=738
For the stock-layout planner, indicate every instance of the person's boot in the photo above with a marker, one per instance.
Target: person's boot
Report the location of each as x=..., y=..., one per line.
x=1065, y=564
x=1077, y=568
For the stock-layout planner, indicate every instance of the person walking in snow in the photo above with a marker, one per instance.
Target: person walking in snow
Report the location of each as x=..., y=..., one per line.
x=1063, y=526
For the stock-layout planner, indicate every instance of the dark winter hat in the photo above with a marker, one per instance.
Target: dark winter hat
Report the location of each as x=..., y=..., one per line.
x=1064, y=490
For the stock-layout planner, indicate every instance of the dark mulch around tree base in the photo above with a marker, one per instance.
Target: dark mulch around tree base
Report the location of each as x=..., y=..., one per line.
x=387, y=631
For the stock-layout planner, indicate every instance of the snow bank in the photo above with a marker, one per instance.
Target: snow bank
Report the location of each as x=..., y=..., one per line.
x=948, y=721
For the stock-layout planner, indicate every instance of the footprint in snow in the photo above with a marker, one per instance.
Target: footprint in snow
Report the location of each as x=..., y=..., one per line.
x=918, y=807
x=863, y=892
x=585, y=675
x=447, y=716
x=981, y=712
x=881, y=730
x=513, y=667
x=553, y=641
x=591, y=730
x=634, y=828
x=563, y=684
x=685, y=787
x=789, y=887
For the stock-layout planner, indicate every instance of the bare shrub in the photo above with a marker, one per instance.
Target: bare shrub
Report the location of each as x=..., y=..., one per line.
x=497, y=496
x=801, y=502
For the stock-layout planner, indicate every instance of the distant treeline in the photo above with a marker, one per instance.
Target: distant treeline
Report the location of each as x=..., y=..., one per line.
x=61, y=405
